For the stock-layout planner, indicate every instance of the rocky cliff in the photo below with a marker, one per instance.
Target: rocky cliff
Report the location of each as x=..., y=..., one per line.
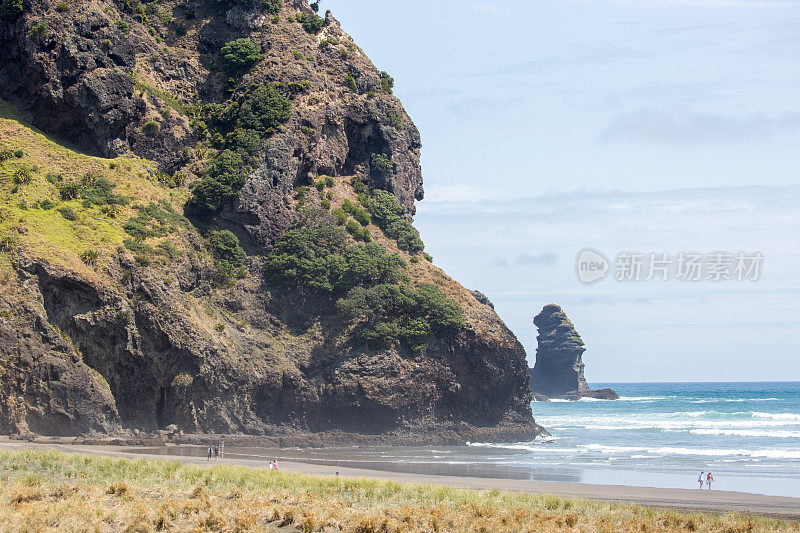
x=558, y=372
x=294, y=295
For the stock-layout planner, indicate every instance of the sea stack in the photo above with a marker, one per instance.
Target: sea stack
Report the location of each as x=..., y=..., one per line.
x=558, y=372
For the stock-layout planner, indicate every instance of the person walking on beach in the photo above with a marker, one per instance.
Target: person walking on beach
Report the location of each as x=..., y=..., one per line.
x=222, y=450
x=216, y=453
x=700, y=479
x=709, y=479
x=208, y=453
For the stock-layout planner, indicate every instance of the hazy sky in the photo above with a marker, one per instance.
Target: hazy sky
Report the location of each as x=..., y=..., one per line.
x=660, y=126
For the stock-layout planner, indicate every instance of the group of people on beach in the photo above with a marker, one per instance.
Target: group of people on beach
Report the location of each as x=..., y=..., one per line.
x=705, y=478
x=216, y=451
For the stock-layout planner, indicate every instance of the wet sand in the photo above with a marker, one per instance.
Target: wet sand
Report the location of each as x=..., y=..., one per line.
x=679, y=499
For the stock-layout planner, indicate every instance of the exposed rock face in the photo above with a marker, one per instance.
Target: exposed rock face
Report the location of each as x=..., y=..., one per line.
x=146, y=346
x=558, y=372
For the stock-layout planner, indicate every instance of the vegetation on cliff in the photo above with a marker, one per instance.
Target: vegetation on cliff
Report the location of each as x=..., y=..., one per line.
x=371, y=284
x=47, y=489
x=237, y=317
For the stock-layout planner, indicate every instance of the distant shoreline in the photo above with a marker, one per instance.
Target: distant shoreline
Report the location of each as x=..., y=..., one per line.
x=677, y=499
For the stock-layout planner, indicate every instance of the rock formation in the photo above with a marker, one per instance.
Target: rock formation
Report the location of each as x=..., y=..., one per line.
x=120, y=316
x=558, y=372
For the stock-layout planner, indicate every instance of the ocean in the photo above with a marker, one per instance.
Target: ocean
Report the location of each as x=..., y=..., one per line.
x=656, y=435
x=664, y=434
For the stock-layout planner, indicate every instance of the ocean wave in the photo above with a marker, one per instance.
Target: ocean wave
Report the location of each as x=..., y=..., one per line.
x=775, y=433
x=673, y=421
x=643, y=398
x=777, y=416
x=526, y=446
x=713, y=452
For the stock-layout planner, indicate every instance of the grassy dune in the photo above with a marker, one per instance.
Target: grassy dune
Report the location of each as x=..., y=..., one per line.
x=49, y=490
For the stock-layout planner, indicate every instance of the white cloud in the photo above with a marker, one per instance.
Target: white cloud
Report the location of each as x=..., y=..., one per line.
x=460, y=193
x=679, y=128
x=704, y=3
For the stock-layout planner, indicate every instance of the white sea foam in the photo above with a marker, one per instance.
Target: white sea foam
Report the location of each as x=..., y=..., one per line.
x=708, y=452
x=775, y=433
x=642, y=398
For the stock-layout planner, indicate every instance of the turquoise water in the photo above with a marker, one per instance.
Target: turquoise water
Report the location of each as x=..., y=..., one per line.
x=664, y=434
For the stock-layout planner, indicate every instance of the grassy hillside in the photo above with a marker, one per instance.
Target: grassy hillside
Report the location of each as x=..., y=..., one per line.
x=44, y=490
x=53, y=205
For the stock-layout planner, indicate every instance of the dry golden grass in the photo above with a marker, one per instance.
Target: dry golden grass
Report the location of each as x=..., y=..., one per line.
x=54, y=491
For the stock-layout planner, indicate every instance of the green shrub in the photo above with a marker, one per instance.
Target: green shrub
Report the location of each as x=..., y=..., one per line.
x=350, y=82
x=38, y=30
x=62, y=7
x=317, y=257
x=151, y=128
x=10, y=9
x=46, y=204
x=387, y=313
x=311, y=23
x=19, y=154
x=168, y=249
x=68, y=213
x=388, y=215
x=69, y=190
x=5, y=155
x=381, y=164
x=273, y=7
x=329, y=181
x=247, y=141
x=352, y=227
x=297, y=55
x=415, y=259
x=361, y=216
x=328, y=41
x=223, y=180
x=123, y=26
x=90, y=257
x=96, y=191
x=296, y=88
x=428, y=257
x=240, y=54
x=340, y=216
x=326, y=204
x=387, y=83
x=261, y=109
x=22, y=176
x=153, y=221
x=320, y=185
x=8, y=243
x=364, y=235
x=394, y=120
x=225, y=246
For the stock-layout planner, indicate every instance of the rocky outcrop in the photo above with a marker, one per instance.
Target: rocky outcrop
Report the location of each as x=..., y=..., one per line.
x=558, y=372
x=144, y=345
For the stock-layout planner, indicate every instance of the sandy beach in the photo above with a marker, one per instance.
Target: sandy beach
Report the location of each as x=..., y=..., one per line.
x=679, y=499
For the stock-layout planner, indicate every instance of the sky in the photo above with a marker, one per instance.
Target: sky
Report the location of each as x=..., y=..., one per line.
x=625, y=127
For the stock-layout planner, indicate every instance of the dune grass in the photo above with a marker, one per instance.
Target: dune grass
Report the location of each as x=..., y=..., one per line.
x=43, y=490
